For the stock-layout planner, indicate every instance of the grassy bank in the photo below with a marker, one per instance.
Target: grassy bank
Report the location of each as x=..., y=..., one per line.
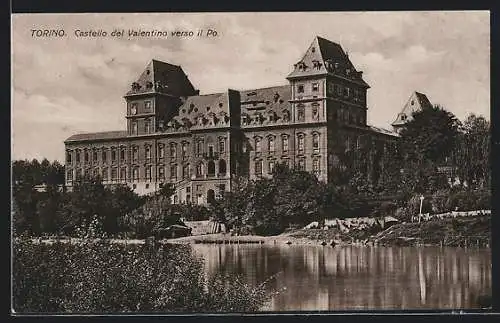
x=473, y=231
x=458, y=232
x=102, y=277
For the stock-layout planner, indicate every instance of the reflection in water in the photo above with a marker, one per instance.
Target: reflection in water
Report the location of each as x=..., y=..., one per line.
x=326, y=278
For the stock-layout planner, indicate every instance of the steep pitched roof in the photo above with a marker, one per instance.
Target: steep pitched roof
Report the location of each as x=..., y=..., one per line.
x=267, y=101
x=162, y=77
x=106, y=135
x=203, y=105
x=324, y=56
x=416, y=102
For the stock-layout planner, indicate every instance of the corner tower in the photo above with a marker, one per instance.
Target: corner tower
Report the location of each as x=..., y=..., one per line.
x=154, y=98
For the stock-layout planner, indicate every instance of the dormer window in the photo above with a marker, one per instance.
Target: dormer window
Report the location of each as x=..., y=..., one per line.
x=147, y=106
x=136, y=86
x=315, y=87
x=300, y=88
x=149, y=85
x=313, y=49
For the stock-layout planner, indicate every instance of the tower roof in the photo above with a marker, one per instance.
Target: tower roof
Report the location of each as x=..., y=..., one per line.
x=326, y=57
x=416, y=102
x=162, y=77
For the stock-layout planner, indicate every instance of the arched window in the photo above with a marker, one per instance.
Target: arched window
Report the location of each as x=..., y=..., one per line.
x=173, y=171
x=123, y=174
x=211, y=168
x=147, y=152
x=316, y=166
x=222, y=166
x=199, y=147
x=149, y=174
x=161, y=172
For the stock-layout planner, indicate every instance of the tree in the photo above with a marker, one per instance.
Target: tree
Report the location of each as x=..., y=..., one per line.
x=472, y=153
x=430, y=136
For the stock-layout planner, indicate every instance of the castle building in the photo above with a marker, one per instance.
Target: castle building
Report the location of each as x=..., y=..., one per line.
x=201, y=143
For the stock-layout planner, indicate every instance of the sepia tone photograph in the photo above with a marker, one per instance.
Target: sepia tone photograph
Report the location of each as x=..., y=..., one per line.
x=250, y=162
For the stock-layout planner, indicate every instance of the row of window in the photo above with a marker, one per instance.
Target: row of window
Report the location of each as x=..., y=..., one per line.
x=271, y=146
x=147, y=107
x=314, y=87
x=344, y=91
x=347, y=116
x=134, y=127
x=301, y=165
x=201, y=170
x=122, y=152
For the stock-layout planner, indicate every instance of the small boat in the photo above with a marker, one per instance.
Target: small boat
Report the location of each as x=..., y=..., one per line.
x=288, y=242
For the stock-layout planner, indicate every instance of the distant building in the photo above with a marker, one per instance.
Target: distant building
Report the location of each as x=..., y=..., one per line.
x=416, y=102
x=200, y=143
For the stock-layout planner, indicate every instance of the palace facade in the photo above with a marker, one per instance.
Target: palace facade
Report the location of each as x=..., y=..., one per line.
x=200, y=143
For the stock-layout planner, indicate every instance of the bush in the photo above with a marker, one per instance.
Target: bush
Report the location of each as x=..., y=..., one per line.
x=101, y=277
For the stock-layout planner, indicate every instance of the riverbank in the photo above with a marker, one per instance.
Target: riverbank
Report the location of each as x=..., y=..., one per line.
x=457, y=232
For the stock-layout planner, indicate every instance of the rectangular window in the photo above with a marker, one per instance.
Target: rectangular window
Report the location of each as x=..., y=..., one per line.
x=302, y=164
x=315, y=87
x=185, y=171
x=104, y=155
x=135, y=153
x=123, y=174
x=284, y=144
x=135, y=173
x=258, y=148
x=173, y=171
x=113, y=155
x=161, y=173
x=270, y=145
x=104, y=174
x=210, y=150
x=199, y=147
x=86, y=156
x=271, y=167
x=94, y=156
x=315, y=111
x=300, y=88
x=301, y=113
x=114, y=174
x=147, y=152
x=315, y=143
x=134, y=127
x=258, y=168
x=161, y=151
x=316, y=169
x=122, y=154
x=148, y=173
x=184, y=149
x=68, y=157
x=301, y=144
x=77, y=154
x=69, y=175
x=222, y=146
x=339, y=89
x=147, y=106
x=147, y=126
x=346, y=92
x=173, y=151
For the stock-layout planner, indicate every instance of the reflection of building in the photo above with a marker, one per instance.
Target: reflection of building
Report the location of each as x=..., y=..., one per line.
x=201, y=142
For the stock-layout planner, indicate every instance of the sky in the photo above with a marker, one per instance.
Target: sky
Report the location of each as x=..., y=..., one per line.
x=67, y=85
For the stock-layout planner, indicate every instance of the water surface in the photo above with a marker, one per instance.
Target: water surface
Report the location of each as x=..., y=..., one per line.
x=349, y=278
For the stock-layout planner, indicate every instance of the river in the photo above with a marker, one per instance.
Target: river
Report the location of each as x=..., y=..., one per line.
x=312, y=278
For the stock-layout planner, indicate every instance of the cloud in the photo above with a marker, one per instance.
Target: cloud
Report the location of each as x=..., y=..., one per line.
x=67, y=85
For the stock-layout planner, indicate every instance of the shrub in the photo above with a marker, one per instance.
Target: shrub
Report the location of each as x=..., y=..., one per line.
x=101, y=277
